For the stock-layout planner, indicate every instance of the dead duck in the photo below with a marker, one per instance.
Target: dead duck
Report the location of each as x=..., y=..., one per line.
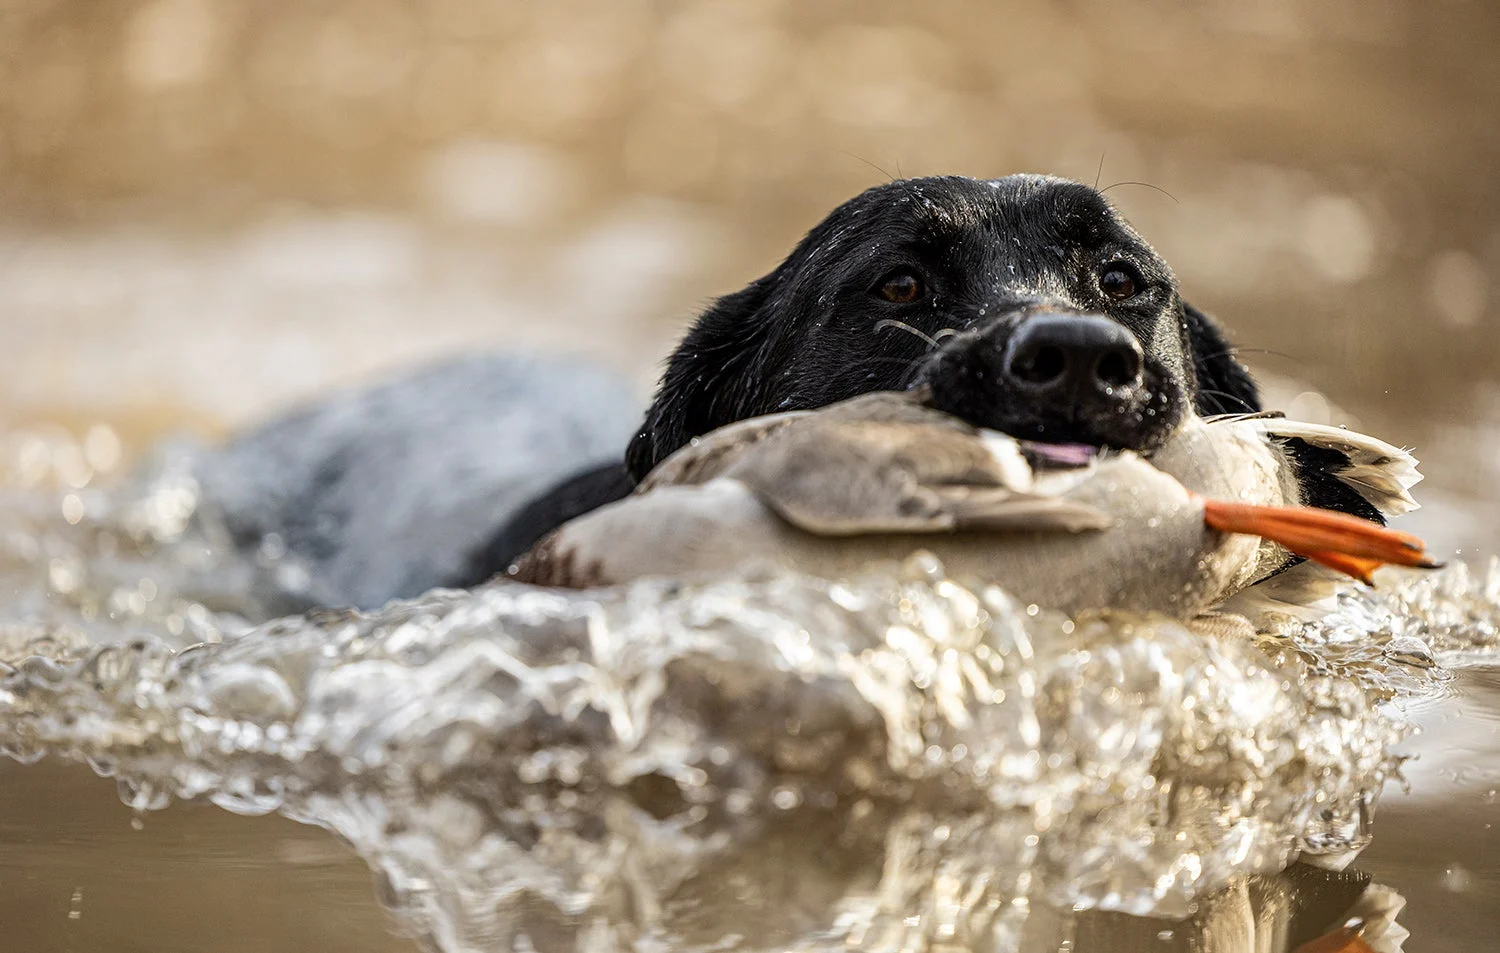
x=834, y=491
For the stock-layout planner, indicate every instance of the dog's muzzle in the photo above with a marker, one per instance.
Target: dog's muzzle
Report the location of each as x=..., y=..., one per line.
x=1056, y=377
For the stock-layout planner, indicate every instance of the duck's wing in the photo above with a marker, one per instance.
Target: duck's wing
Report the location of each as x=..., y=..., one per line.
x=709, y=456
x=1305, y=591
x=1381, y=473
x=849, y=478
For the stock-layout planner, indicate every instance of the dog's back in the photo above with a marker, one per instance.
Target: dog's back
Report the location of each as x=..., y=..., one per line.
x=387, y=492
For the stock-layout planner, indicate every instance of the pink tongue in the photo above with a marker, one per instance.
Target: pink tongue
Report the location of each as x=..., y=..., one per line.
x=1064, y=454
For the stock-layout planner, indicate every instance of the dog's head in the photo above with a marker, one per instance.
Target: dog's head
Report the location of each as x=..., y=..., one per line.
x=1024, y=304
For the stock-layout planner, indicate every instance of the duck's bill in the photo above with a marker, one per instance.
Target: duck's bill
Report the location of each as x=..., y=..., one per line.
x=1348, y=544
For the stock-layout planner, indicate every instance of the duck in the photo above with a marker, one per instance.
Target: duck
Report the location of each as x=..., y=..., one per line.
x=836, y=491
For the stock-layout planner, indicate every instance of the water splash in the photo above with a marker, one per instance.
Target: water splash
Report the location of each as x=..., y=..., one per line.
x=764, y=762
x=613, y=768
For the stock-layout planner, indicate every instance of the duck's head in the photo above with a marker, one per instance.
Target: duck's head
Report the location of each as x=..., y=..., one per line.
x=1027, y=304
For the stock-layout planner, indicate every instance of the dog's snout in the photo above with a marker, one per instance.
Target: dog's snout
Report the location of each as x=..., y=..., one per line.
x=1072, y=357
x=1054, y=377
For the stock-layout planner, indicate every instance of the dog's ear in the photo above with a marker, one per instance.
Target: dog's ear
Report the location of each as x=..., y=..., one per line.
x=707, y=383
x=1224, y=384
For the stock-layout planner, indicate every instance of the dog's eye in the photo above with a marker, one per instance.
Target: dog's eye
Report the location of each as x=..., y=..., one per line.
x=1119, y=281
x=902, y=286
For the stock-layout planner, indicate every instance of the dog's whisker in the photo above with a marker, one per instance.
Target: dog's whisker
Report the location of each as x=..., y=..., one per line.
x=1237, y=351
x=884, y=323
x=944, y=333
x=906, y=362
x=872, y=165
x=908, y=365
x=1144, y=185
x=1234, y=397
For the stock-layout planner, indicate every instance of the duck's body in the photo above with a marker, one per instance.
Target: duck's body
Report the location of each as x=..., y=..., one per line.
x=876, y=478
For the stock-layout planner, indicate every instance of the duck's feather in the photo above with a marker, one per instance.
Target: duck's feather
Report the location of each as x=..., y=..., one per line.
x=1306, y=591
x=712, y=455
x=1017, y=512
x=901, y=473
x=1381, y=473
x=708, y=457
x=880, y=463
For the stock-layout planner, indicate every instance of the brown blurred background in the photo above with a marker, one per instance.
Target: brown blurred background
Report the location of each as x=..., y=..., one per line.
x=210, y=208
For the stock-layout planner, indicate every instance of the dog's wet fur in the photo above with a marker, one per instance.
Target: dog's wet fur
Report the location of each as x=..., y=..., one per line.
x=988, y=254
x=976, y=289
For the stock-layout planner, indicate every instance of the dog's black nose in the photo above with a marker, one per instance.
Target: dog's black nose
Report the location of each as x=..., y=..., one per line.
x=1073, y=358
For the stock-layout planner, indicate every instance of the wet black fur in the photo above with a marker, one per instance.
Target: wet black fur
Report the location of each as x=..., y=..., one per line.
x=809, y=333
x=806, y=334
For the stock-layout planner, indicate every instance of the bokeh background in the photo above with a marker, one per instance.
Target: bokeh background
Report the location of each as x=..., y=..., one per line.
x=212, y=209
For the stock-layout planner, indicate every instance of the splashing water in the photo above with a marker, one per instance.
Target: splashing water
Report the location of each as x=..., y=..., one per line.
x=768, y=761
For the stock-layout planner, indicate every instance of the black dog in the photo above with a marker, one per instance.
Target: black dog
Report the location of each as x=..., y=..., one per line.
x=1026, y=304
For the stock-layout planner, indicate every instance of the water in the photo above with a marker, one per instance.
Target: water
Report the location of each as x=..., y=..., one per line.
x=765, y=762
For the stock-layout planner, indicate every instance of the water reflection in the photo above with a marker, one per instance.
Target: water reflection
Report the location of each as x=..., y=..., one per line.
x=83, y=873
x=242, y=884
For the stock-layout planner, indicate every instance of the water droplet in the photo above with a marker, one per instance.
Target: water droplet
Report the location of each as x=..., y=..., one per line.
x=1457, y=879
x=72, y=508
x=786, y=799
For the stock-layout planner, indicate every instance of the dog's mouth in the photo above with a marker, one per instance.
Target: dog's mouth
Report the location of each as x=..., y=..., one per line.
x=1058, y=456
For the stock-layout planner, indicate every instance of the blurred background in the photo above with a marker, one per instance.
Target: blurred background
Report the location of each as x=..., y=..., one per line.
x=211, y=209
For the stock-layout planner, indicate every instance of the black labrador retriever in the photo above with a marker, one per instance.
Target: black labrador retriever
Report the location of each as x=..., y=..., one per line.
x=1026, y=304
